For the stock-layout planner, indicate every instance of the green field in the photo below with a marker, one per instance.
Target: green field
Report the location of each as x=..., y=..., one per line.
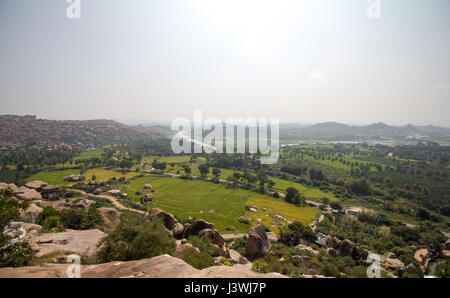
x=187, y=198
x=277, y=206
x=280, y=184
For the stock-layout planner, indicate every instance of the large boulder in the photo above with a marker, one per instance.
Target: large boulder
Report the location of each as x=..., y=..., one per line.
x=110, y=216
x=169, y=219
x=196, y=227
x=37, y=185
x=236, y=257
x=213, y=235
x=332, y=242
x=28, y=194
x=257, y=243
x=177, y=230
x=31, y=215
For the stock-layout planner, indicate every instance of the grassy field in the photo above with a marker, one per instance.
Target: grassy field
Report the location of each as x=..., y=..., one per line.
x=189, y=198
x=280, y=184
x=97, y=152
x=277, y=206
x=56, y=177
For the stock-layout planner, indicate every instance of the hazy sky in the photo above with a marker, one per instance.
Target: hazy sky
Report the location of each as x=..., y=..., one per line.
x=300, y=61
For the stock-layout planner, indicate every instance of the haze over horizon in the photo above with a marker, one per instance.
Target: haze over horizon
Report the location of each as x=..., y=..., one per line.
x=305, y=61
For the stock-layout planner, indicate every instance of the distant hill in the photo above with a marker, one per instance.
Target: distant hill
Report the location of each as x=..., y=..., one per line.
x=28, y=130
x=332, y=131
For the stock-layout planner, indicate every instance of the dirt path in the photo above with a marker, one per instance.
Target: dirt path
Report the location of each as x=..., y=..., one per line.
x=233, y=236
x=112, y=199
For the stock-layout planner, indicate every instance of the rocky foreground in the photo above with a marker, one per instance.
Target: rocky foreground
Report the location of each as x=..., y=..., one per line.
x=163, y=266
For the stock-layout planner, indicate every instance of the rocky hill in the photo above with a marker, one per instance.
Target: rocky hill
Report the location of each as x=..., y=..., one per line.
x=28, y=130
x=332, y=131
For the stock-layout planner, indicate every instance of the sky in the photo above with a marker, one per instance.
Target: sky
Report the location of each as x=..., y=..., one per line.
x=303, y=61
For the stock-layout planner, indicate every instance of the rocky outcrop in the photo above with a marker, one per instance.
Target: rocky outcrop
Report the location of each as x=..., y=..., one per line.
x=163, y=266
x=169, y=219
x=37, y=185
x=110, y=216
x=257, y=243
x=75, y=178
x=335, y=246
x=27, y=194
x=79, y=242
x=31, y=215
x=196, y=227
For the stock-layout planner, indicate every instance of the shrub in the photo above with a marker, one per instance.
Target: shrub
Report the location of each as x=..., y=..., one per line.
x=260, y=266
x=197, y=260
x=135, y=238
x=51, y=222
x=204, y=245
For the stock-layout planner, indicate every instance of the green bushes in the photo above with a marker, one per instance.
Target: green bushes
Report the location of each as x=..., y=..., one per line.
x=291, y=234
x=260, y=266
x=17, y=254
x=199, y=260
x=135, y=238
x=81, y=219
x=74, y=218
x=204, y=245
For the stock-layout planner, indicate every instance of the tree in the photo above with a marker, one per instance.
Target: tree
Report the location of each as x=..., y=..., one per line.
x=293, y=196
x=187, y=170
x=292, y=233
x=216, y=172
x=204, y=169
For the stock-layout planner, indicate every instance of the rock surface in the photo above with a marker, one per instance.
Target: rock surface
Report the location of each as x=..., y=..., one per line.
x=37, y=185
x=79, y=242
x=163, y=266
x=25, y=193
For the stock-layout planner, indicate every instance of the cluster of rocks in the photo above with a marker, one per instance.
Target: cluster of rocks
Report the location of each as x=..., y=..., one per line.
x=335, y=246
x=75, y=178
x=197, y=228
x=35, y=190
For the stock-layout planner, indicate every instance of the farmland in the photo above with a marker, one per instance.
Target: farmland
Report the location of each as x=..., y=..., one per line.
x=193, y=198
